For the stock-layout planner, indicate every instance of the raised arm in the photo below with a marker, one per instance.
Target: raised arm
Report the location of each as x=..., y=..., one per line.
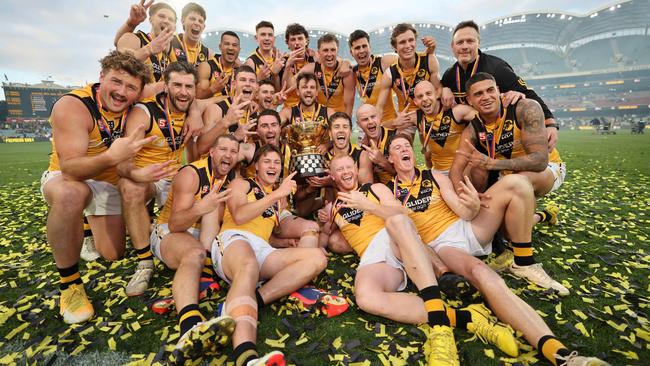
x=387, y=207
x=434, y=68
x=71, y=124
x=384, y=89
x=137, y=15
x=463, y=113
x=460, y=162
x=464, y=201
x=365, y=168
x=348, y=93
x=185, y=209
x=533, y=139
x=243, y=211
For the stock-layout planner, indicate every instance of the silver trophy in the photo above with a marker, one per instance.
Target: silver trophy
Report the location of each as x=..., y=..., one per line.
x=304, y=138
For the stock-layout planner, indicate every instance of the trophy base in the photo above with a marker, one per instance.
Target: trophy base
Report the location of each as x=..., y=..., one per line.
x=308, y=165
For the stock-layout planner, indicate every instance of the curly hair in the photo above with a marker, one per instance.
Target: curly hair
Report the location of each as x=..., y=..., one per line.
x=126, y=61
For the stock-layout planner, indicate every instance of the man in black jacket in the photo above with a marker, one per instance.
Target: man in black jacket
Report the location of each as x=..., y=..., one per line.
x=470, y=60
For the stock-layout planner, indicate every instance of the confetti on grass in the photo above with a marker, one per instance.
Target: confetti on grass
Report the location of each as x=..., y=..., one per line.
x=600, y=250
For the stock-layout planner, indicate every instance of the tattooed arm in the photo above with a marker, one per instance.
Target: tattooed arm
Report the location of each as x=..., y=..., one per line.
x=533, y=140
x=467, y=141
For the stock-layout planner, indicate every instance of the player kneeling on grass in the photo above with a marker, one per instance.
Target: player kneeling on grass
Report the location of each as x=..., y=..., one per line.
x=81, y=178
x=503, y=139
x=198, y=190
x=359, y=214
x=457, y=227
x=244, y=257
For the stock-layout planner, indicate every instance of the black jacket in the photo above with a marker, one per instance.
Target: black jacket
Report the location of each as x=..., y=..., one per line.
x=503, y=73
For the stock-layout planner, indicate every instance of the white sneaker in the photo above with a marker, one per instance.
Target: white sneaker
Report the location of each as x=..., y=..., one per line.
x=536, y=274
x=140, y=280
x=275, y=358
x=575, y=360
x=88, y=251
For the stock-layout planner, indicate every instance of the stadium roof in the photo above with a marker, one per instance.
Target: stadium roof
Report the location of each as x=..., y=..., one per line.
x=44, y=84
x=534, y=42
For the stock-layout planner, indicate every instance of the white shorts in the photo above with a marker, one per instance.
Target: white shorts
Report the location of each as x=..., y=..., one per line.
x=106, y=199
x=260, y=247
x=559, y=173
x=378, y=251
x=460, y=235
x=161, y=191
x=443, y=172
x=158, y=233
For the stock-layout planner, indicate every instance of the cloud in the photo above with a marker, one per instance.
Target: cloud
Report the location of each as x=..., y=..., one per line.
x=66, y=38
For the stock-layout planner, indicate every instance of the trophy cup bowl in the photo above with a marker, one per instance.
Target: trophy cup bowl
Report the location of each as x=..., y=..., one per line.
x=304, y=138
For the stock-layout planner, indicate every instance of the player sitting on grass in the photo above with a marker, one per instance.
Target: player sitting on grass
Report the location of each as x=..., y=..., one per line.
x=359, y=214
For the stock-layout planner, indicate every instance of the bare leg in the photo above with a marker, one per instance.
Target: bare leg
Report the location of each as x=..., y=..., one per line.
x=305, y=230
x=512, y=201
x=413, y=253
x=67, y=200
x=109, y=234
x=336, y=243
x=240, y=266
x=542, y=181
x=509, y=308
x=182, y=252
x=134, y=208
x=288, y=270
x=375, y=287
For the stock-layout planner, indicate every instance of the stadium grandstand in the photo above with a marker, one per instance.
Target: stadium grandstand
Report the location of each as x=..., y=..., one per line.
x=27, y=107
x=248, y=45
x=585, y=65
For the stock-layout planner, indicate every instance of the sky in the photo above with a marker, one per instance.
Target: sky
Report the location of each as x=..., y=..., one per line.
x=63, y=40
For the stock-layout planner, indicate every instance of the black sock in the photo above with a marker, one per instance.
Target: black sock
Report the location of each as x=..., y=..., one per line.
x=144, y=254
x=69, y=276
x=188, y=317
x=260, y=300
x=245, y=352
x=87, y=231
x=463, y=317
x=549, y=346
x=434, y=306
x=523, y=253
x=151, y=205
x=498, y=244
x=208, y=270
x=543, y=216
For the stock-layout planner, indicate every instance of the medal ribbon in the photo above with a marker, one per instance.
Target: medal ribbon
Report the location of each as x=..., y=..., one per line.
x=172, y=145
x=316, y=112
x=333, y=83
x=494, y=136
x=396, y=188
x=229, y=89
x=275, y=207
x=472, y=73
x=103, y=125
x=362, y=93
x=424, y=120
x=185, y=49
x=402, y=77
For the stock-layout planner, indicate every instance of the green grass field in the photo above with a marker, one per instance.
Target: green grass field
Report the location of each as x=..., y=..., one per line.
x=601, y=250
